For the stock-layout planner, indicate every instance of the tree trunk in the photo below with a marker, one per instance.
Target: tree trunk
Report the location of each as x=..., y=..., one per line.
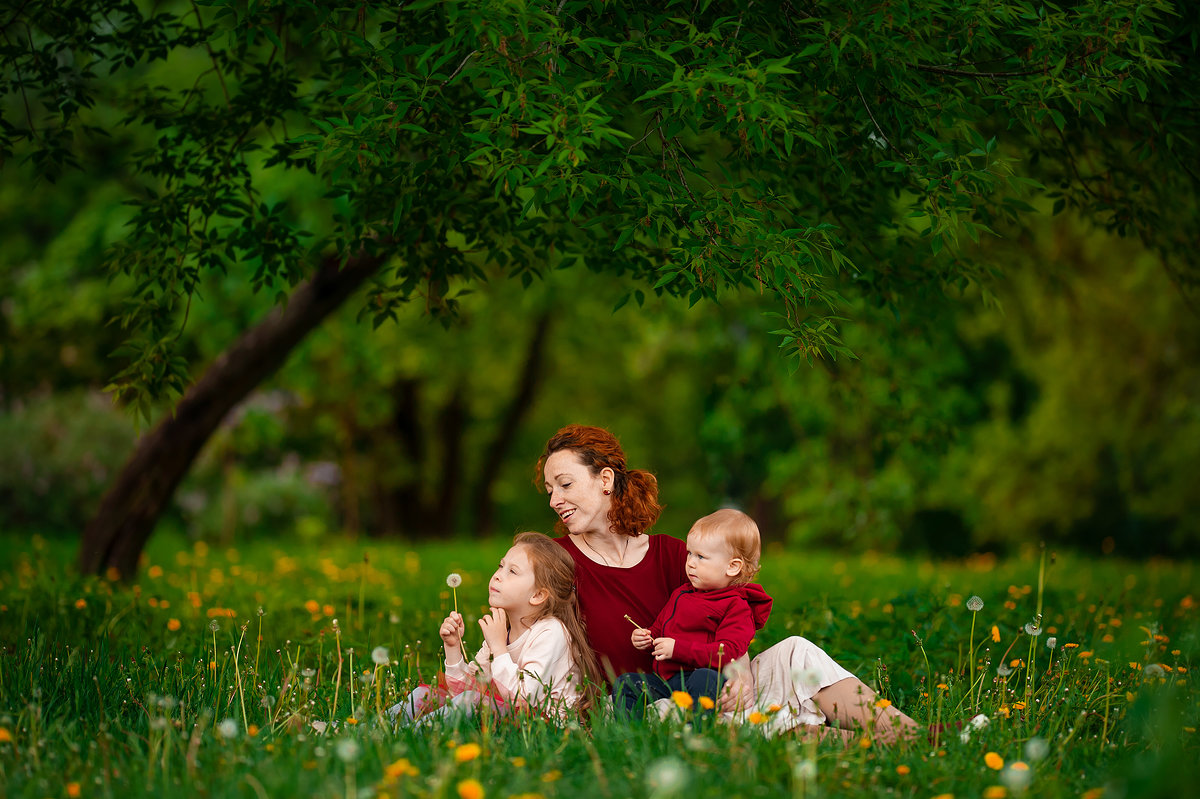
x=482, y=504
x=132, y=505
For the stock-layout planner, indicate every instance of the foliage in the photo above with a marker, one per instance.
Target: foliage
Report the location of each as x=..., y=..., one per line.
x=809, y=150
x=131, y=692
x=58, y=452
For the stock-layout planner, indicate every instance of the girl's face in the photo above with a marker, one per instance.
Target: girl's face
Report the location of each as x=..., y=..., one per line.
x=710, y=564
x=577, y=495
x=512, y=587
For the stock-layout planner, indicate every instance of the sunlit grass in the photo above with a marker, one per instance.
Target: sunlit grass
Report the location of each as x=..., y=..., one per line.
x=209, y=674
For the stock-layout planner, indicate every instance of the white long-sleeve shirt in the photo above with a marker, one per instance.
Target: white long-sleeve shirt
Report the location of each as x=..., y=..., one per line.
x=536, y=672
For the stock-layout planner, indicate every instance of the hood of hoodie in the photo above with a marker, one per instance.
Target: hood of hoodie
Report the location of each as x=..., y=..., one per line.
x=755, y=596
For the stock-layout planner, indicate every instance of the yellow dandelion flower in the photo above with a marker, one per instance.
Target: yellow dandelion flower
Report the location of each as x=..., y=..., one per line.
x=351, y=720
x=682, y=698
x=470, y=789
x=1070, y=646
x=312, y=606
x=552, y=776
x=707, y=703
x=5, y=736
x=1094, y=793
x=252, y=730
x=882, y=703
x=944, y=796
x=73, y=790
x=1085, y=655
x=1018, y=705
x=993, y=761
x=864, y=742
x=518, y=762
x=1003, y=710
x=80, y=604
x=773, y=709
x=995, y=634
x=1019, y=765
x=994, y=792
x=756, y=718
x=903, y=770
x=173, y=624
x=155, y=572
x=328, y=610
x=467, y=752
x=401, y=768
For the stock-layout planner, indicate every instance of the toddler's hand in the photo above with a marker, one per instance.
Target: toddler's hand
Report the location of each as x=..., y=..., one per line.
x=452, y=630
x=641, y=639
x=664, y=648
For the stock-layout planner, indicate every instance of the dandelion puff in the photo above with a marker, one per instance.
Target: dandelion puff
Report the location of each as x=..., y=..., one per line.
x=975, y=604
x=666, y=776
x=1036, y=749
x=1153, y=670
x=307, y=673
x=979, y=722
x=213, y=625
x=1003, y=670
x=348, y=750
x=809, y=678
x=454, y=579
x=734, y=670
x=227, y=729
x=379, y=655
x=805, y=770
x=1051, y=642
x=1033, y=628
x=1016, y=777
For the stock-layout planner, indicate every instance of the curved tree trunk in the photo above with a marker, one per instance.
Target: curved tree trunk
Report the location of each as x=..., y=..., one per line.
x=132, y=505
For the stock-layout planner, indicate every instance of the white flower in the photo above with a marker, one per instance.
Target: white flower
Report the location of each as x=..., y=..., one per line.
x=380, y=655
x=454, y=579
x=977, y=723
x=214, y=625
x=227, y=728
x=1003, y=670
x=1153, y=670
x=975, y=604
x=1036, y=749
x=348, y=750
x=666, y=776
x=1051, y=642
x=1033, y=628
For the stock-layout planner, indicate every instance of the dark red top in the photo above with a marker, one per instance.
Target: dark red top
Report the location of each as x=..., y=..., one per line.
x=607, y=594
x=702, y=621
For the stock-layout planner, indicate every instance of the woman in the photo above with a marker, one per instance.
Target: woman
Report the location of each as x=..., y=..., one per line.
x=624, y=576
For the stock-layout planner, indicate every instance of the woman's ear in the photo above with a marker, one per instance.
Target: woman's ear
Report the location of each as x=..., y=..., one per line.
x=608, y=479
x=735, y=567
x=539, y=596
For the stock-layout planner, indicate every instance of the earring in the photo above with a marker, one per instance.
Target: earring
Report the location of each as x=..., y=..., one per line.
x=607, y=492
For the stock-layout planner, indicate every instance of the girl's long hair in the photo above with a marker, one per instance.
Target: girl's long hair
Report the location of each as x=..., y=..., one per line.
x=554, y=572
x=635, y=506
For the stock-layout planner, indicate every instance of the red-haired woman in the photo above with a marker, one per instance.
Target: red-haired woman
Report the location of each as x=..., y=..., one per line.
x=623, y=575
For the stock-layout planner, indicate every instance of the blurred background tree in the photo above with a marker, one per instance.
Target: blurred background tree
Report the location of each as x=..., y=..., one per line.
x=827, y=160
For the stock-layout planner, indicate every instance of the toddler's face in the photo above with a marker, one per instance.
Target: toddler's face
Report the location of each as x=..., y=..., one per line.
x=709, y=562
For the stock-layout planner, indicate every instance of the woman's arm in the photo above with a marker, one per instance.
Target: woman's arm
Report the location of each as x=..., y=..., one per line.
x=738, y=693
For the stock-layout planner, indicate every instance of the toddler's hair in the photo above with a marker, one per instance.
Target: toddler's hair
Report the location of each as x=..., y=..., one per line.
x=740, y=534
x=554, y=572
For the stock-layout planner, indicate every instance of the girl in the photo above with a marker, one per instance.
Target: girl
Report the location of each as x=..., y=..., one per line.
x=535, y=657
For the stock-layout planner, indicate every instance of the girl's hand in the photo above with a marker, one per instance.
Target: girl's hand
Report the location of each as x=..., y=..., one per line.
x=642, y=639
x=664, y=648
x=452, y=630
x=495, y=630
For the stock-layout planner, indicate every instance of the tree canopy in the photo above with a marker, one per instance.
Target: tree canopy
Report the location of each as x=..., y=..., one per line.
x=815, y=152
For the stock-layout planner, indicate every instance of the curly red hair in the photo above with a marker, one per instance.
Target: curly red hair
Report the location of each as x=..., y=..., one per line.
x=635, y=506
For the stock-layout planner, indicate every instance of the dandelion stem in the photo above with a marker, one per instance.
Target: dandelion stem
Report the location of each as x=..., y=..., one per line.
x=337, y=680
x=237, y=670
x=971, y=655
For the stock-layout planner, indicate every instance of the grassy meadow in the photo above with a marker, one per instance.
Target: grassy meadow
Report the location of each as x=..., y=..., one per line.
x=204, y=679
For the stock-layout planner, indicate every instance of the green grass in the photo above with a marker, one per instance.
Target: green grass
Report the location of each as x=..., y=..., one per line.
x=114, y=691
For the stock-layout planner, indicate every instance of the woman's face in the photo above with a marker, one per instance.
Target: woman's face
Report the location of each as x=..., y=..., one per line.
x=577, y=495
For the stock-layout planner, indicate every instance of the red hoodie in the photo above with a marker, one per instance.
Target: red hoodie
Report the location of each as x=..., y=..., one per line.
x=700, y=621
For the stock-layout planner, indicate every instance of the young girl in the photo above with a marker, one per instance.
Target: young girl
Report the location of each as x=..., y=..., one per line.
x=535, y=657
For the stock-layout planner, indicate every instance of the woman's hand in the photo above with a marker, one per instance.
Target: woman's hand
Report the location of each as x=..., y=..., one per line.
x=452, y=630
x=738, y=693
x=642, y=639
x=664, y=648
x=495, y=630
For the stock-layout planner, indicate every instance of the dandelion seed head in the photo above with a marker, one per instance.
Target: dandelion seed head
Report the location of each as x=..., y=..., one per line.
x=454, y=579
x=975, y=604
x=666, y=776
x=1036, y=749
x=379, y=655
x=1051, y=642
x=808, y=678
x=1016, y=777
x=1003, y=670
x=227, y=729
x=805, y=769
x=1033, y=628
x=213, y=625
x=348, y=750
x=1153, y=670
x=977, y=723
